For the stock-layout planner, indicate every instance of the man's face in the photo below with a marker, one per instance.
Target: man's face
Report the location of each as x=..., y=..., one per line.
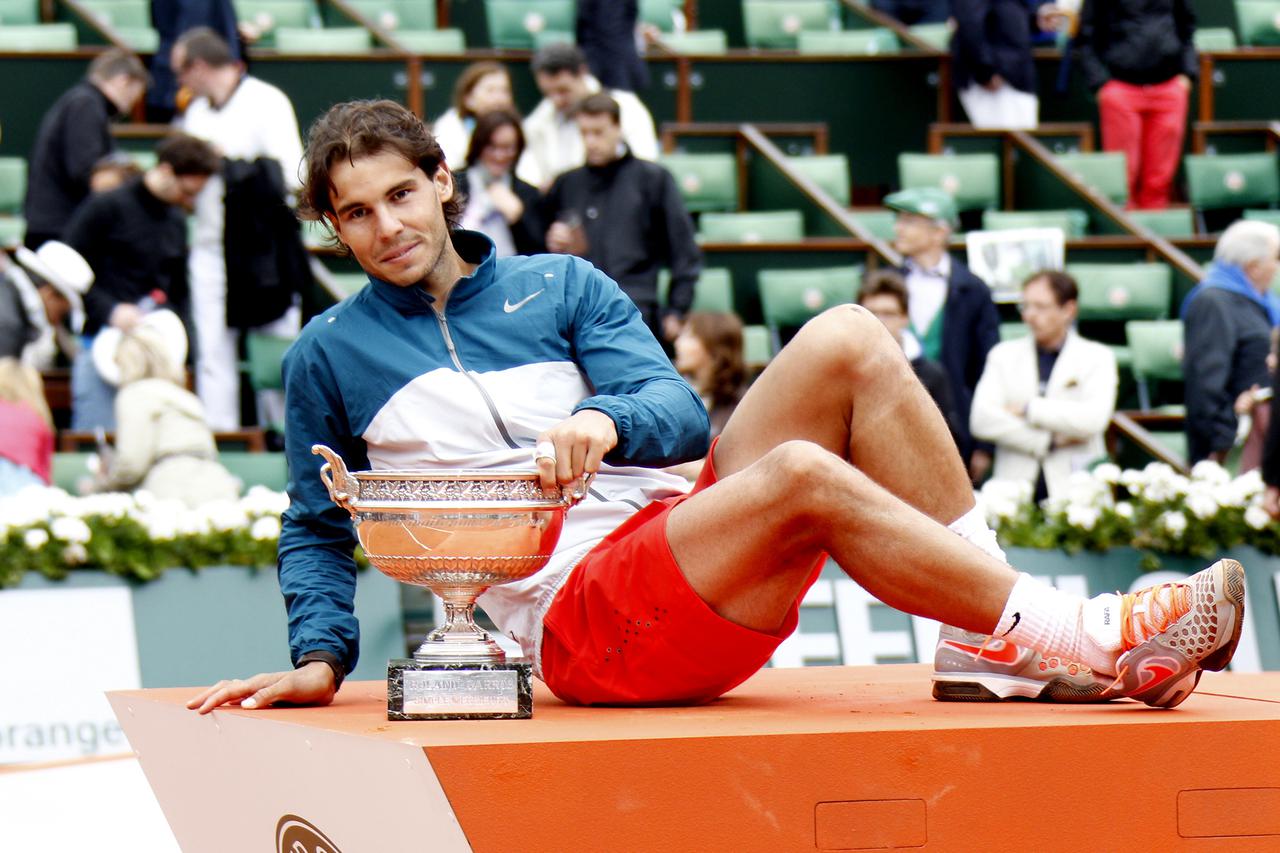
x=500, y=154
x=601, y=136
x=563, y=89
x=1262, y=272
x=178, y=190
x=913, y=234
x=56, y=306
x=888, y=311
x=1047, y=320
x=193, y=75
x=389, y=213
x=491, y=92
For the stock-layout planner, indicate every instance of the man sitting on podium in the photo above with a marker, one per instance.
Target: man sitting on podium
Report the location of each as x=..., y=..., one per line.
x=451, y=358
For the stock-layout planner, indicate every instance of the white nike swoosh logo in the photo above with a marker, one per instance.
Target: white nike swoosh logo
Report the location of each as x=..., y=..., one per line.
x=509, y=308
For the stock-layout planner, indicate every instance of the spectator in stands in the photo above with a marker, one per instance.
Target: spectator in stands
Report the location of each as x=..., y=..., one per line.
x=709, y=354
x=498, y=203
x=74, y=135
x=1045, y=400
x=23, y=325
x=26, y=428
x=1140, y=59
x=172, y=18
x=135, y=240
x=627, y=217
x=952, y=315
x=162, y=442
x=481, y=87
x=244, y=119
x=554, y=145
x=884, y=293
x=1227, y=322
x=995, y=75
x=112, y=171
x=60, y=277
x=607, y=33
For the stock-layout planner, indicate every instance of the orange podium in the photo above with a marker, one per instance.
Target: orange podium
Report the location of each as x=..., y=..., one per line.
x=823, y=758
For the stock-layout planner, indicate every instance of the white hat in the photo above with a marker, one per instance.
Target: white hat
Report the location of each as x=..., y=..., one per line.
x=163, y=324
x=62, y=268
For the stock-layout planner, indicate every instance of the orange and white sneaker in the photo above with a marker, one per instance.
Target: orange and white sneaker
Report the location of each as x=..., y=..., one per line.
x=969, y=667
x=1169, y=634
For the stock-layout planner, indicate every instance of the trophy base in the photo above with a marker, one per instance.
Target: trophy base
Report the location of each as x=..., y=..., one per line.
x=463, y=690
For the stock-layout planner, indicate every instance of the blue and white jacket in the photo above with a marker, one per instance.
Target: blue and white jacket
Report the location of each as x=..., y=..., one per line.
x=390, y=382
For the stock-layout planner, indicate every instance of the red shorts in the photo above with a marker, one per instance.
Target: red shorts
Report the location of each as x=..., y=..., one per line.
x=627, y=629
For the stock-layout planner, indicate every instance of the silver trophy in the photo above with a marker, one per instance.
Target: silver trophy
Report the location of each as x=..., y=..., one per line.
x=456, y=533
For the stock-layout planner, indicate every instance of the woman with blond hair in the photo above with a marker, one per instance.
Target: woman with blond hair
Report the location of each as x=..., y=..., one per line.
x=163, y=444
x=26, y=428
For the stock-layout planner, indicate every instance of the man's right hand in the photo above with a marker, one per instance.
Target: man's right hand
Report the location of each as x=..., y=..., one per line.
x=565, y=239
x=311, y=684
x=125, y=316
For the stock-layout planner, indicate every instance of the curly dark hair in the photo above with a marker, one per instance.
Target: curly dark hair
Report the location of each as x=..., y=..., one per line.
x=361, y=129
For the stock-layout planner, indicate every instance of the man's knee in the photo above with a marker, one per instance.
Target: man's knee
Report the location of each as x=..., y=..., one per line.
x=850, y=341
x=803, y=476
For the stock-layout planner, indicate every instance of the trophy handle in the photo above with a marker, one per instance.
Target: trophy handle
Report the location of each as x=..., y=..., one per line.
x=570, y=497
x=334, y=469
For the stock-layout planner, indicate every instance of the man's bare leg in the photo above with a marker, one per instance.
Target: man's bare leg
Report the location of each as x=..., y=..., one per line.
x=837, y=448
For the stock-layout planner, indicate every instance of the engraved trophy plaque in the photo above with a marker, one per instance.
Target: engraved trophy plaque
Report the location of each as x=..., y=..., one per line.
x=456, y=533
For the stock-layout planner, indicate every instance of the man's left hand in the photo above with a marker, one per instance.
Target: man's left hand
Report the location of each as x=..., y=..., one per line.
x=579, y=443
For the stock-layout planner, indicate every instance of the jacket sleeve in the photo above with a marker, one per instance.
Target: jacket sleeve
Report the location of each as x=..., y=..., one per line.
x=88, y=224
x=135, y=449
x=682, y=248
x=1184, y=22
x=972, y=47
x=316, y=568
x=1082, y=416
x=1209, y=340
x=529, y=232
x=991, y=421
x=660, y=419
x=986, y=330
x=1091, y=45
x=86, y=142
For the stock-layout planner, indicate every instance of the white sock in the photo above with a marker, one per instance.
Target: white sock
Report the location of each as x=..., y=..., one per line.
x=973, y=528
x=1057, y=623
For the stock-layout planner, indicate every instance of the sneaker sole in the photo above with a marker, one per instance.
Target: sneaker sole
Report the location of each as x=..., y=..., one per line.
x=967, y=688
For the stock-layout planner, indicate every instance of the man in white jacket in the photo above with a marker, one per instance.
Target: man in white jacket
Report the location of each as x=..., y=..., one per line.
x=1045, y=400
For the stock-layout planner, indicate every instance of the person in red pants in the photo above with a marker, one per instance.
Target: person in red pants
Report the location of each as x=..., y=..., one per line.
x=1139, y=58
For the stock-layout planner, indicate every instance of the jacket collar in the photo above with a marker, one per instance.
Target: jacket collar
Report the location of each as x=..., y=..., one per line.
x=474, y=248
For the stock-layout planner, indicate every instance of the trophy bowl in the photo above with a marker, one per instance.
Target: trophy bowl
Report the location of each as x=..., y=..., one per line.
x=456, y=532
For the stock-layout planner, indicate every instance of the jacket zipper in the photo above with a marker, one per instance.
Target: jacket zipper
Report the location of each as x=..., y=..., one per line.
x=488, y=401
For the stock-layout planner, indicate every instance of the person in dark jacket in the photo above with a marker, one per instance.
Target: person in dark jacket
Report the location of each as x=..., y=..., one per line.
x=172, y=18
x=952, y=315
x=74, y=135
x=606, y=33
x=626, y=216
x=135, y=240
x=499, y=204
x=995, y=76
x=884, y=293
x=1227, y=322
x=1139, y=57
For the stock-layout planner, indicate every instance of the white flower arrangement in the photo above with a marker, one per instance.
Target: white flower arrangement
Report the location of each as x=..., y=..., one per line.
x=1154, y=509
x=135, y=535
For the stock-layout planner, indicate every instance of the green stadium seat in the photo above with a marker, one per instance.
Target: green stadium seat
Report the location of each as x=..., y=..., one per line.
x=269, y=15
x=257, y=469
x=13, y=184
x=661, y=13
x=697, y=42
x=790, y=297
x=1156, y=348
x=714, y=291
x=1214, y=38
x=1259, y=22
x=1074, y=223
x=316, y=235
x=1170, y=222
x=69, y=469
x=706, y=181
x=1232, y=180
x=778, y=23
x=349, y=283
x=879, y=221
x=1272, y=216
x=514, y=23
x=119, y=13
x=1137, y=291
x=36, y=38
x=938, y=35
x=756, y=347
x=264, y=356
x=761, y=226
x=12, y=230
x=1013, y=330
x=542, y=38
x=869, y=42
x=392, y=15
x=139, y=39
x=972, y=179
x=334, y=40
x=828, y=171
x=144, y=159
x=432, y=42
x=19, y=12
x=1105, y=171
